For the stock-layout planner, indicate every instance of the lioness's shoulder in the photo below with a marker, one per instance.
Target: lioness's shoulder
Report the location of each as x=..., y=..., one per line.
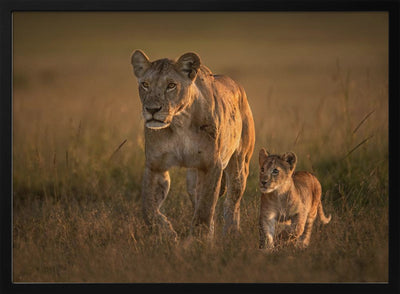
x=206, y=74
x=205, y=71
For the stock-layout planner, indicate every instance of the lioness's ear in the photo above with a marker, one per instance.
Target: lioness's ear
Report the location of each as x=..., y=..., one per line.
x=140, y=63
x=262, y=156
x=188, y=64
x=290, y=158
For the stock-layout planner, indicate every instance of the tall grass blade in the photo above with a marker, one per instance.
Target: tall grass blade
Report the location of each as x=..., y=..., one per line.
x=298, y=135
x=355, y=148
x=66, y=158
x=116, y=150
x=363, y=120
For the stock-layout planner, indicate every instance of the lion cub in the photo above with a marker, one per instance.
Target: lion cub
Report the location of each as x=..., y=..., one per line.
x=287, y=196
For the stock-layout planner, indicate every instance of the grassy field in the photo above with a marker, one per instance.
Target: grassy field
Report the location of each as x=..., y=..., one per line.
x=317, y=84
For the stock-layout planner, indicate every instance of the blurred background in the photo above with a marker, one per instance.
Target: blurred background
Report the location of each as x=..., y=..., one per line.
x=74, y=68
x=317, y=84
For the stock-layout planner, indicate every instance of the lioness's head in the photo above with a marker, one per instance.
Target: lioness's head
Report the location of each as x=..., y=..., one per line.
x=275, y=170
x=164, y=86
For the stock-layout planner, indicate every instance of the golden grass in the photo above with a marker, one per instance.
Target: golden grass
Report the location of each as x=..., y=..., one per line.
x=317, y=85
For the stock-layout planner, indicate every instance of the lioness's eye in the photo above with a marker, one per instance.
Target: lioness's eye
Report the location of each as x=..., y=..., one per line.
x=145, y=85
x=171, y=85
x=275, y=171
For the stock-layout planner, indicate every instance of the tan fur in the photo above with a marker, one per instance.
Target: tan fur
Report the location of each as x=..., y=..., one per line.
x=200, y=121
x=287, y=196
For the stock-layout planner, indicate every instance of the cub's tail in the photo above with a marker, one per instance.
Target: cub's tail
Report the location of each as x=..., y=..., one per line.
x=322, y=216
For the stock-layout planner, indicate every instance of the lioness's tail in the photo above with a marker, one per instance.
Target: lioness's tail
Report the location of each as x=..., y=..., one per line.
x=322, y=216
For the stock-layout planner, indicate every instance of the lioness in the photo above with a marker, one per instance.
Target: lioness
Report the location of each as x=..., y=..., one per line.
x=200, y=121
x=287, y=196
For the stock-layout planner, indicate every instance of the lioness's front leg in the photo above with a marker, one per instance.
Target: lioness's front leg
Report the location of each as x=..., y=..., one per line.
x=208, y=186
x=237, y=172
x=191, y=182
x=154, y=191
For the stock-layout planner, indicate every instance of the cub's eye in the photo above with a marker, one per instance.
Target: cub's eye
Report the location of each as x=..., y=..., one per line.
x=145, y=85
x=171, y=86
x=262, y=169
x=275, y=171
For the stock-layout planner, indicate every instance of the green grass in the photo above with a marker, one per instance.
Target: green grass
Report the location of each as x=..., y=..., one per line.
x=317, y=85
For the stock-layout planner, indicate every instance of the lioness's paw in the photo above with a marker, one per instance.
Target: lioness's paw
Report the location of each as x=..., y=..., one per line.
x=300, y=244
x=173, y=236
x=266, y=249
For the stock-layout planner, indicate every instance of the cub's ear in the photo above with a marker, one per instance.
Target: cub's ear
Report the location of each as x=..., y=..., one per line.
x=290, y=158
x=263, y=154
x=188, y=64
x=140, y=63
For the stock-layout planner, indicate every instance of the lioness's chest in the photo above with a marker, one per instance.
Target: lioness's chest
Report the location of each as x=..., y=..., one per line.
x=187, y=148
x=191, y=148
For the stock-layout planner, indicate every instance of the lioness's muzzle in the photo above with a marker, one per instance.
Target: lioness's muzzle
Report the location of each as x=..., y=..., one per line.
x=152, y=111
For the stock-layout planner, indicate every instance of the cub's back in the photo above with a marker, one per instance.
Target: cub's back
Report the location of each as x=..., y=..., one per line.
x=307, y=186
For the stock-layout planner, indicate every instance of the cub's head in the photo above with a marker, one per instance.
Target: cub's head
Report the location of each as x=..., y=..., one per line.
x=275, y=170
x=164, y=86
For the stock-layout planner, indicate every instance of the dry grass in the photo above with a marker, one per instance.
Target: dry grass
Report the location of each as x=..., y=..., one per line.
x=317, y=84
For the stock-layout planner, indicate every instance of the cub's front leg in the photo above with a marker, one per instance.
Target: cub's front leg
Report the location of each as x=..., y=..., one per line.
x=267, y=224
x=298, y=224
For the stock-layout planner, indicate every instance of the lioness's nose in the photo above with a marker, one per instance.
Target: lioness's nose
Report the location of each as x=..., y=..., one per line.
x=153, y=110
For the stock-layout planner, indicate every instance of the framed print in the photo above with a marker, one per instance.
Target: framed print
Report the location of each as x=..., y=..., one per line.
x=155, y=146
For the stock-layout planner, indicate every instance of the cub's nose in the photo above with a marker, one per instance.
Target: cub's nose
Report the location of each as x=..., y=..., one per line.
x=153, y=110
x=264, y=183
